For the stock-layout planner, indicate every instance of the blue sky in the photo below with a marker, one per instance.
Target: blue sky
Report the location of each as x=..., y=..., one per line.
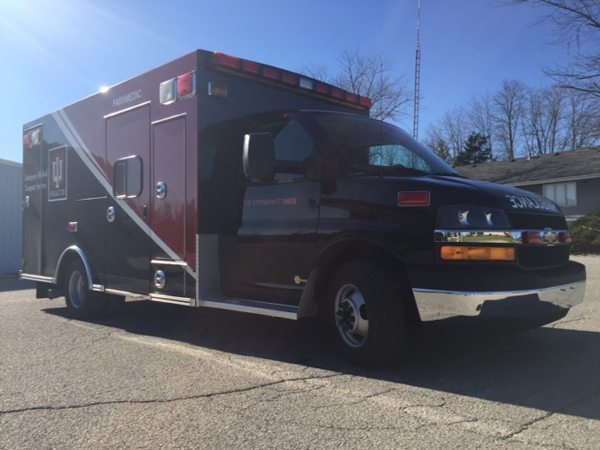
x=56, y=52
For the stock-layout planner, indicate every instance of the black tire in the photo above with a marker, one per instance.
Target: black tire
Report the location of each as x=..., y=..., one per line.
x=82, y=303
x=365, y=314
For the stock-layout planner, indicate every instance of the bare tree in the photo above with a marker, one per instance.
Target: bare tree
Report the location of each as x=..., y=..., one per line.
x=508, y=113
x=582, y=121
x=448, y=135
x=578, y=22
x=437, y=144
x=542, y=119
x=481, y=116
x=370, y=76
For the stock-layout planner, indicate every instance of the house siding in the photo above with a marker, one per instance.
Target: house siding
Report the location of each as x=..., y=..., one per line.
x=588, y=197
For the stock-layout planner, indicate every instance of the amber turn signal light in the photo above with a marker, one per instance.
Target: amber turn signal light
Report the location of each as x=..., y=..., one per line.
x=460, y=253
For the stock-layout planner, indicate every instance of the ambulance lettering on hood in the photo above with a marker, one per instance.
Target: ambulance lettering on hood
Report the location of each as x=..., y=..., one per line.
x=531, y=202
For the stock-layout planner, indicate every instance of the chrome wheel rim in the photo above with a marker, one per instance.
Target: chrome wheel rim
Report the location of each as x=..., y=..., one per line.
x=77, y=289
x=351, y=318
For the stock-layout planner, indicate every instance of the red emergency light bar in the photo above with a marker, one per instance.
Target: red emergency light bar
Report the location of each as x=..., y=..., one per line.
x=272, y=74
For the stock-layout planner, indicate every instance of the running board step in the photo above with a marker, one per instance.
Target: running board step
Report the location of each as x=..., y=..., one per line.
x=252, y=307
x=172, y=299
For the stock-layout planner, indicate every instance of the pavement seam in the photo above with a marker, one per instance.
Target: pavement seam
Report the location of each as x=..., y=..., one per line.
x=527, y=425
x=168, y=400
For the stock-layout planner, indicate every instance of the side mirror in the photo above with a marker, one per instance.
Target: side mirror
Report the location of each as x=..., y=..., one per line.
x=259, y=156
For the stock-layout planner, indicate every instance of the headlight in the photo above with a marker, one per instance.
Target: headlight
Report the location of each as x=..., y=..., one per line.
x=469, y=216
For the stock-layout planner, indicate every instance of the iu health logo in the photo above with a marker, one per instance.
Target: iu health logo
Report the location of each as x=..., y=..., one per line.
x=57, y=187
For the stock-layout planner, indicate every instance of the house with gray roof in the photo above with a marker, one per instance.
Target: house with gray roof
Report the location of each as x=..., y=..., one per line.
x=570, y=179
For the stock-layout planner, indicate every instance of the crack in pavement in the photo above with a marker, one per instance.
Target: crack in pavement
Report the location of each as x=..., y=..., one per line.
x=357, y=402
x=527, y=425
x=167, y=400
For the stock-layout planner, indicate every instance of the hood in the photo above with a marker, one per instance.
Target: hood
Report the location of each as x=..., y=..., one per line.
x=447, y=190
x=505, y=197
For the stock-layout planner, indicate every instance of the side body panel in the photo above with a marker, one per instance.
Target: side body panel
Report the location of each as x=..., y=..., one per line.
x=91, y=135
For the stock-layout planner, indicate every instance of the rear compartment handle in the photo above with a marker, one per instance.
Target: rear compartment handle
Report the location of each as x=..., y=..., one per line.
x=110, y=214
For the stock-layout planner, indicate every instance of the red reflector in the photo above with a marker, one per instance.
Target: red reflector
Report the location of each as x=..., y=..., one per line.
x=223, y=60
x=185, y=84
x=352, y=98
x=414, y=198
x=565, y=237
x=337, y=93
x=366, y=102
x=27, y=141
x=270, y=73
x=289, y=78
x=322, y=88
x=531, y=237
x=251, y=67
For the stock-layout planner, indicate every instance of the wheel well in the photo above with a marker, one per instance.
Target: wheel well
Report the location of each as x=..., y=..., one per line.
x=69, y=255
x=365, y=251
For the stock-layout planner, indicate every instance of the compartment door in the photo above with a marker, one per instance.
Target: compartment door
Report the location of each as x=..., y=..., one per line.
x=35, y=181
x=168, y=212
x=127, y=224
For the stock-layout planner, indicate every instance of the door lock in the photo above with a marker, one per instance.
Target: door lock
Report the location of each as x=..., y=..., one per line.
x=160, y=190
x=110, y=214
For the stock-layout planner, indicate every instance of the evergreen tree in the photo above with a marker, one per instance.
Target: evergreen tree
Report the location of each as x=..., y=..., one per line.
x=476, y=150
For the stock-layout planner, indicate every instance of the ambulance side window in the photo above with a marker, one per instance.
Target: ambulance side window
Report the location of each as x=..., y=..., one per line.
x=292, y=144
x=127, y=177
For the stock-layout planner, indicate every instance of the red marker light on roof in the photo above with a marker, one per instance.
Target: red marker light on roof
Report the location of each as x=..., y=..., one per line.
x=337, y=93
x=289, y=78
x=186, y=84
x=270, y=73
x=366, y=102
x=322, y=88
x=229, y=62
x=413, y=198
x=352, y=98
x=251, y=67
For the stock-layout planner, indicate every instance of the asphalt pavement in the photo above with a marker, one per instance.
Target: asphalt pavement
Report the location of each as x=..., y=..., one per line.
x=151, y=375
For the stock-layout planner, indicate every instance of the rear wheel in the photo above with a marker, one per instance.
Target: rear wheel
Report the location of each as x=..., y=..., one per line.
x=81, y=302
x=365, y=313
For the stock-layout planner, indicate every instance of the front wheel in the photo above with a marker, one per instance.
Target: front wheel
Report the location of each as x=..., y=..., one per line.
x=82, y=303
x=365, y=313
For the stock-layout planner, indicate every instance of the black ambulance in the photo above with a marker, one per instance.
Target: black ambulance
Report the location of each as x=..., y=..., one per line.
x=214, y=181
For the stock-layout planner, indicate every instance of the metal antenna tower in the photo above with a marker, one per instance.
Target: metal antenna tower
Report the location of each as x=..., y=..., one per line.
x=417, y=74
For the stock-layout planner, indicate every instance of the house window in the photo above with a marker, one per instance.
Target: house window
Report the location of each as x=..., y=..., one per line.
x=563, y=194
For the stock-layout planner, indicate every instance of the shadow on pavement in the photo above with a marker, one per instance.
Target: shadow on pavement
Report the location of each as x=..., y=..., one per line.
x=554, y=370
x=12, y=283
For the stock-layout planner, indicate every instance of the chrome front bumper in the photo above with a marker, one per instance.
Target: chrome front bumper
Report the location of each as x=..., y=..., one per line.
x=439, y=304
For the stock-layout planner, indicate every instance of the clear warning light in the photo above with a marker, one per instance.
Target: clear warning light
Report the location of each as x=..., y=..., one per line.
x=168, y=92
x=104, y=89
